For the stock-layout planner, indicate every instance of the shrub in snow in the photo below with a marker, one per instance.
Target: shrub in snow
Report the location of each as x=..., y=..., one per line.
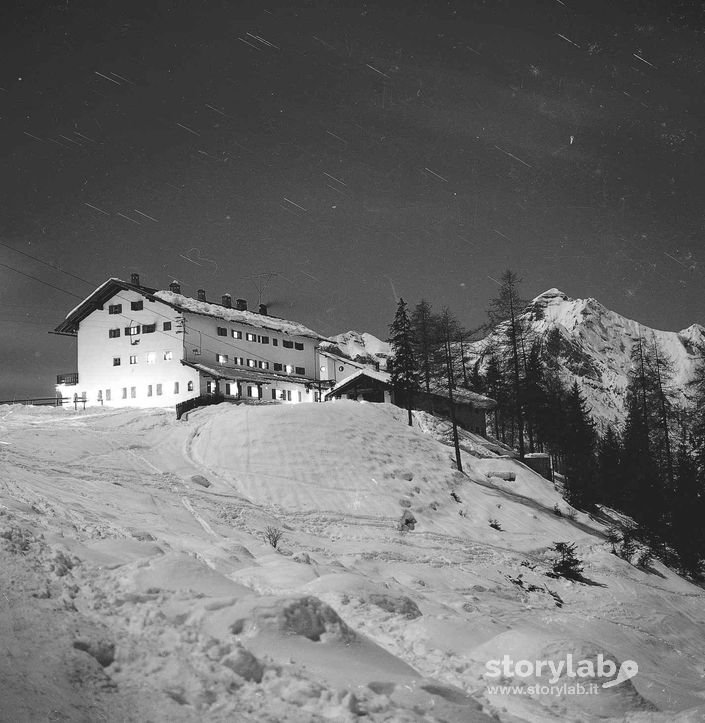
x=567, y=564
x=102, y=650
x=200, y=480
x=557, y=511
x=399, y=604
x=494, y=524
x=645, y=559
x=407, y=521
x=614, y=538
x=627, y=547
x=242, y=662
x=273, y=535
x=572, y=515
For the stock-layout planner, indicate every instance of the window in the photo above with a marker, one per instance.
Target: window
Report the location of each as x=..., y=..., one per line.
x=136, y=305
x=132, y=330
x=221, y=358
x=236, y=334
x=252, y=363
x=288, y=369
x=274, y=393
x=113, y=333
x=275, y=342
x=222, y=331
x=124, y=392
x=288, y=344
x=189, y=386
x=168, y=356
x=149, y=328
x=277, y=367
x=316, y=397
x=253, y=392
x=176, y=387
x=107, y=395
x=301, y=371
x=159, y=390
x=133, y=392
x=251, y=337
x=288, y=395
x=263, y=365
x=149, y=390
x=166, y=326
x=227, y=389
x=239, y=360
x=264, y=339
x=133, y=359
x=152, y=357
x=115, y=309
x=298, y=346
x=299, y=396
x=116, y=361
x=210, y=387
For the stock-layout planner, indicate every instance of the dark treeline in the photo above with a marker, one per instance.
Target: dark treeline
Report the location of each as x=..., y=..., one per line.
x=651, y=468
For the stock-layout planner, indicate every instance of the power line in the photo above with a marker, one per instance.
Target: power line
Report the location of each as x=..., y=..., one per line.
x=46, y=283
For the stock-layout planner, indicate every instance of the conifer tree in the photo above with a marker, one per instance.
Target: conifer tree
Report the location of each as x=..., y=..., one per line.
x=404, y=375
x=579, y=451
x=687, y=507
x=450, y=328
x=424, y=324
x=609, y=478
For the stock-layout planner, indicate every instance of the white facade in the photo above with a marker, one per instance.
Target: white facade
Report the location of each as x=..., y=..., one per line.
x=140, y=347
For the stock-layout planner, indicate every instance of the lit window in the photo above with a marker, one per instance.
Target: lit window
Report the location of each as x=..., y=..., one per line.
x=239, y=360
x=301, y=370
x=251, y=363
x=133, y=392
x=113, y=333
x=168, y=356
x=159, y=390
x=149, y=328
x=298, y=346
x=133, y=360
x=264, y=339
x=288, y=344
x=116, y=361
x=222, y=331
x=221, y=358
x=263, y=365
x=107, y=395
x=152, y=357
x=251, y=337
x=136, y=305
x=132, y=330
x=149, y=390
x=176, y=387
x=166, y=326
x=236, y=334
x=288, y=369
x=115, y=309
x=210, y=387
x=189, y=386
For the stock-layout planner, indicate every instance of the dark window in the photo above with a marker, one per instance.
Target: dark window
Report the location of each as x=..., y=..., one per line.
x=227, y=389
x=124, y=392
x=274, y=393
x=264, y=339
x=176, y=387
x=133, y=392
x=113, y=333
x=149, y=328
x=299, y=396
x=136, y=305
x=288, y=395
x=189, y=386
x=288, y=344
x=107, y=395
x=275, y=342
x=159, y=390
x=299, y=346
x=301, y=370
x=166, y=326
x=222, y=331
x=115, y=309
x=116, y=361
x=277, y=367
x=149, y=390
x=132, y=330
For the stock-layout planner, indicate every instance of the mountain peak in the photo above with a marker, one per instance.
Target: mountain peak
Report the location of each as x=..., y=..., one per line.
x=552, y=294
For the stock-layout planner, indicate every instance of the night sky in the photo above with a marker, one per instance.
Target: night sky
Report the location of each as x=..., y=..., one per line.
x=326, y=158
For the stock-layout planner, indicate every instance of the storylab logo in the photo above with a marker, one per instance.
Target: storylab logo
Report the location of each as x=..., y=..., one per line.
x=583, y=675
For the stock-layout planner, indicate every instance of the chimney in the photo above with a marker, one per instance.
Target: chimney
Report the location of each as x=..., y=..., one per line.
x=263, y=309
x=227, y=301
x=135, y=279
x=241, y=304
x=201, y=294
x=175, y=287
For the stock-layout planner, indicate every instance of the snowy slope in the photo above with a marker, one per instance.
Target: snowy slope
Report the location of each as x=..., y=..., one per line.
x=140, y=587
x=363, y=347
x=596, y=346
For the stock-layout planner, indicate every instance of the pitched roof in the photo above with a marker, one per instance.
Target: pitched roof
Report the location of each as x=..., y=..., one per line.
x=383, y=377
x=217, y=371
x=109, y=288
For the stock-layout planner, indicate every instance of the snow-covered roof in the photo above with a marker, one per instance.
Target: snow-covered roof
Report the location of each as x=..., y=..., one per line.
x=218, y=371
x=383, y=377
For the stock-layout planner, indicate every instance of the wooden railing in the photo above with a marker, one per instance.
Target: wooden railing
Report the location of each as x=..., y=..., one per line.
x=202, y=401
x=38, y=401
x=70, y=378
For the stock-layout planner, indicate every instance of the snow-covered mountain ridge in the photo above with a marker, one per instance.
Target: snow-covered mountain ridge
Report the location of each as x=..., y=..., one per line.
x=595, y=346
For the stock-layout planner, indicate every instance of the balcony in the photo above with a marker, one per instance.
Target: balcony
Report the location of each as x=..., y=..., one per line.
x=68, y=379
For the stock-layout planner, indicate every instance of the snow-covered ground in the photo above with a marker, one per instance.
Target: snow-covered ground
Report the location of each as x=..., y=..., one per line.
x=137, y=583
